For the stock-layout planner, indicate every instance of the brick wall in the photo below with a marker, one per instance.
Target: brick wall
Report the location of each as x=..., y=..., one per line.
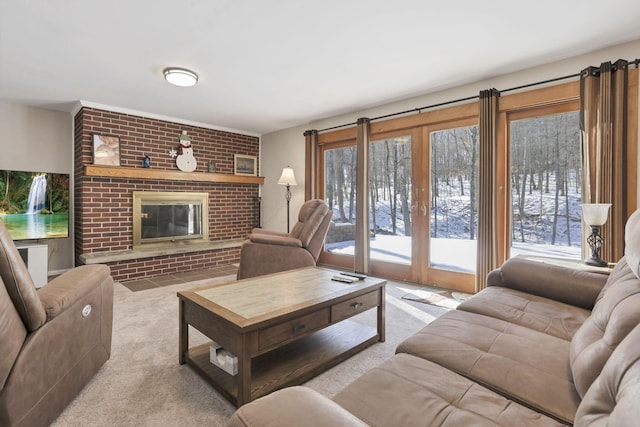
x=103, y=206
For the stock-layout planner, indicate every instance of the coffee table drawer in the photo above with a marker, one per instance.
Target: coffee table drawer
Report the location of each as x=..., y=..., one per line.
x=354, y=306
x=293, y=329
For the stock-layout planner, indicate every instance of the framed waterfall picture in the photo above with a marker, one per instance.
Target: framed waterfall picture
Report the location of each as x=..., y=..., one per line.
x=106, y=150
x=245, y=165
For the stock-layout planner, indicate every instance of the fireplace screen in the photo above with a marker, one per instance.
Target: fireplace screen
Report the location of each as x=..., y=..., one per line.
x=167, y=218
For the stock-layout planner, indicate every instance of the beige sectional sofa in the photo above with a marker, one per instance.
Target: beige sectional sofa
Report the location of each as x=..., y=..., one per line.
x=543, y=345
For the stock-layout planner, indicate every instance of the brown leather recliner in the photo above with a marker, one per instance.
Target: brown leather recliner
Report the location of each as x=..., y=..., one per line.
x=52, y=340
x=266, y=252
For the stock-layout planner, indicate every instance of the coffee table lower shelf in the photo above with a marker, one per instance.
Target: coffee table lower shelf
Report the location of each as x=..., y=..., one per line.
x=291, y=364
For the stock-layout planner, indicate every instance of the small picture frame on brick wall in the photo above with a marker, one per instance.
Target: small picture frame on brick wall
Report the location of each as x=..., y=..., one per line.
x=245, y=165
x=106, y=150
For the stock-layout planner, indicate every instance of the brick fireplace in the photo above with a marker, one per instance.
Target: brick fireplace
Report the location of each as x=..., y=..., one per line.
x=104, y=195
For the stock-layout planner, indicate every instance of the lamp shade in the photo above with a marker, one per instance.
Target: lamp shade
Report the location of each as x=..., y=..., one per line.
x=287, y=177
x=595, y=213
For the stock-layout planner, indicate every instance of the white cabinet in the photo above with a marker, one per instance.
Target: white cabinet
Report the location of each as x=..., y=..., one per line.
x=35, y=256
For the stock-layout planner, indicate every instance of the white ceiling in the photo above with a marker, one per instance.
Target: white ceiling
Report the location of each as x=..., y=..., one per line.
x=266, y=65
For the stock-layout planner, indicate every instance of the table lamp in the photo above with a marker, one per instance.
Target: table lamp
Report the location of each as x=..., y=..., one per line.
x=595, y=215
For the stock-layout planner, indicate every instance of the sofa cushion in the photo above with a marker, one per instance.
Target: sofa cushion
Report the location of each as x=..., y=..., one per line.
x=316, y=243
x=408, y=391
x=522, y=364
x=555, y=282
x=310, y=218
x=534, y=312
x=615, y=314
x=614, y=397
x=12, y=334
x=632, y=242
x=304, y=214
x=293, y=406
x=19, y=284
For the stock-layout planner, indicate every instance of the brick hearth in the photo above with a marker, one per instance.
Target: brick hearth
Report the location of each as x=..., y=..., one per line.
x=103, y=204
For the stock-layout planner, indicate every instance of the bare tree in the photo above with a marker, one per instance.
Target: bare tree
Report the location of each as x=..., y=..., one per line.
x=405, y=187
x=352, y=170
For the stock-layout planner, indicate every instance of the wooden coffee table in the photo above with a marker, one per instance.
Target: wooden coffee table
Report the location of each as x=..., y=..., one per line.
x=284, y=328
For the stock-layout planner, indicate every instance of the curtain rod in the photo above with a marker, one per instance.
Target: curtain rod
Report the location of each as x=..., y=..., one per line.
x=541, y=82
x=418, y=110
x=635, y=62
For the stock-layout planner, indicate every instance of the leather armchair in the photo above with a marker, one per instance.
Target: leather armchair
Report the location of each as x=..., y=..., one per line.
x=52, y=340
x=266, y=252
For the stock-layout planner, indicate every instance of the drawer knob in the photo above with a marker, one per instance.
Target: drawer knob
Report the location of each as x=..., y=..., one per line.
x=298, y=328
x=356, y=305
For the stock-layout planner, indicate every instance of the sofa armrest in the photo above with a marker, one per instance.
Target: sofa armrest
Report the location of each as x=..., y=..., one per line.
x=270, y=232
x=274, y=239
x=294, y=406
x=63, y=291
x=563, y=284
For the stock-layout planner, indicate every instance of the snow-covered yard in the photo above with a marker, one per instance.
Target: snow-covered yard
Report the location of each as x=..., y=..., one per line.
x=549, y=225
x=449, y=254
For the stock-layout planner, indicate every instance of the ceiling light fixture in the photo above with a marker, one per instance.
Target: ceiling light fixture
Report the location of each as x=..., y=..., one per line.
x=180, y=76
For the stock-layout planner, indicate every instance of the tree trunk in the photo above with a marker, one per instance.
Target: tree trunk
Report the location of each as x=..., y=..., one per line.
x=352, y=186
x=472, y=184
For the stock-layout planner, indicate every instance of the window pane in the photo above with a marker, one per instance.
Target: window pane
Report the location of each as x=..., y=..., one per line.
x=340, y=195
x=389, y=199
x=454, y=194
x=546, y=177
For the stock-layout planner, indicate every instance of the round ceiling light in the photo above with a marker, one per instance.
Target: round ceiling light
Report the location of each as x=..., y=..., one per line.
x=180, y=77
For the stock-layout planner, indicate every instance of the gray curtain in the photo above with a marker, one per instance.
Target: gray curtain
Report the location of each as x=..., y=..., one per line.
x=311, y=164
x=487, y=188
x=361, y=261
x=603, y=125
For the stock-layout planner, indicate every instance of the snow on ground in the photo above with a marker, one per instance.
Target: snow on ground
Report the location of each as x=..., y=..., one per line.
x=448, y=254
x=451, y=247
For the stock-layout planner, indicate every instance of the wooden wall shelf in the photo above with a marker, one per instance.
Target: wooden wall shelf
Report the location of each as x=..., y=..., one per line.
x=144, y=173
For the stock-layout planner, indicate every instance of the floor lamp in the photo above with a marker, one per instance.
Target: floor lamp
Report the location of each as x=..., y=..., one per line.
x=287, y=178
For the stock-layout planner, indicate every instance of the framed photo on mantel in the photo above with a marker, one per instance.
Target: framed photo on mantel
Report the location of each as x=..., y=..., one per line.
x=245, y=165
x=106, y=150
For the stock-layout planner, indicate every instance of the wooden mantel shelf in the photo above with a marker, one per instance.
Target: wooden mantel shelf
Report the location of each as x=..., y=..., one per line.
x=144, y=173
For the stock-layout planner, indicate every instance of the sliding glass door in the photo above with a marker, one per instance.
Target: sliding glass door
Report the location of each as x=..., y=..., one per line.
x=445, y=204
x=422, y=203
x=390, y=204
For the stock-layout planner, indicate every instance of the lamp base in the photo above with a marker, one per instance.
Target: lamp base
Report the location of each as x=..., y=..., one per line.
x=596, y=262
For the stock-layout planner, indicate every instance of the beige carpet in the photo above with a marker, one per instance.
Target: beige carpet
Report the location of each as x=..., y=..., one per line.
x=143, y=384
x=440, y=297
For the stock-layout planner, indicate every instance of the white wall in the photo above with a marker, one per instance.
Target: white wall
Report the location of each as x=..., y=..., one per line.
x=39, y=140
x=286, y=147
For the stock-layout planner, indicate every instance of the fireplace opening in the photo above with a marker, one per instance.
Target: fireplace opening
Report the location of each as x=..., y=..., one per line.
x=169, y=218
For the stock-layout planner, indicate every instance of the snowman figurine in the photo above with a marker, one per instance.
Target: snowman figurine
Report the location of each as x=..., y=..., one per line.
x=185, y=160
